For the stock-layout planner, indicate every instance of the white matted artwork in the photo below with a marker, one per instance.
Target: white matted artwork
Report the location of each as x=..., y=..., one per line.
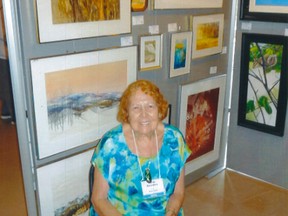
x=76, y=96
x=63, y=187
x=180, y=54
x=63, y=20
x=207, y=35
x=201, y=117
x=182, y=4
x=150, y=52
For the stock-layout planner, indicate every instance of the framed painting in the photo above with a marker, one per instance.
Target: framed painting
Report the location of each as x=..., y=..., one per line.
x=264, y=10
x=263, y=83
x=65, y=20
x=150, y=52
x=207, y=35
x=139, y=5
x=76, y=96
x=183, y=4
x=63, y=186
x=180, y=54
x=201, y=117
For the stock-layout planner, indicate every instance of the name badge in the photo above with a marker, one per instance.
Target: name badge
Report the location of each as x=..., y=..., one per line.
x=153, y=189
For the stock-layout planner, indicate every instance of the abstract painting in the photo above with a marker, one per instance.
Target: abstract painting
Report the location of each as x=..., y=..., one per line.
x=63, y=186
x=180, y=58
x=201, y=114
x=76, y=96
x=207, y=35
x=60, y=20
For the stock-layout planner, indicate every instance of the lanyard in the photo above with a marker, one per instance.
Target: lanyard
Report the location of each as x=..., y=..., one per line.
x=137, y=153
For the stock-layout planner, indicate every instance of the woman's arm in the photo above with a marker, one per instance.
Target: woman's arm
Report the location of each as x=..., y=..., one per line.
x=99, y=196
x=176, y=199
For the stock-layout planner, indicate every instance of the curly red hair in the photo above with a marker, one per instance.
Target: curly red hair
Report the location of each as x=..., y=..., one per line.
x=148, y=88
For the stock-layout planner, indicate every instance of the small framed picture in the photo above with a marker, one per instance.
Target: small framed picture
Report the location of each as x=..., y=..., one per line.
x=180, y=54
x=150, y=52
x=138, y=5
x=207, y=35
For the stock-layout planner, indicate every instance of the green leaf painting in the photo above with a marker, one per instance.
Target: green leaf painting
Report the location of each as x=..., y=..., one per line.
x=265, y=62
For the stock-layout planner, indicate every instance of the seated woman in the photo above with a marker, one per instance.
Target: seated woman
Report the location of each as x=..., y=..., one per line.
x=139, y=164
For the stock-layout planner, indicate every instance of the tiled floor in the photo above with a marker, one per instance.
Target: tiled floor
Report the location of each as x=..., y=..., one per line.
x=226, y=194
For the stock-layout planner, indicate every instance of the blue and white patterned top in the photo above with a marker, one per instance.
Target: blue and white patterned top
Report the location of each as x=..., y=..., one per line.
x=120, y=168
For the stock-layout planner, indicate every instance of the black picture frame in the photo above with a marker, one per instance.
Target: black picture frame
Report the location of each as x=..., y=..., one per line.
x=263, y=87
x=265, y=16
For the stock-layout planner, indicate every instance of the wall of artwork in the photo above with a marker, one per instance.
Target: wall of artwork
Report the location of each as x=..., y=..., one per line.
x=58, y=58
x=258, y=133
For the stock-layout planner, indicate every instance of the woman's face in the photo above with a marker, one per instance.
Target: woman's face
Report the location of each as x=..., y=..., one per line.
x=143, y=113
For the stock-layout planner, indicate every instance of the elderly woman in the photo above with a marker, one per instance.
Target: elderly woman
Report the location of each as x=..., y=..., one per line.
x=139, y=164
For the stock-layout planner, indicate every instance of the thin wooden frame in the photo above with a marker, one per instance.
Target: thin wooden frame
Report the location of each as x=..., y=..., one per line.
x=151, y=52
x=180, y=54
x=184, y=4
x=67, y=30
x=263, y=83
x=201, y=116
x=139, y=5
x=275, y=12
x=207, y=35
x=76, y=96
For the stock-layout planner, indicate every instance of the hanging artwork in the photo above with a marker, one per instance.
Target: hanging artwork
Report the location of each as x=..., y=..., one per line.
x=263, y=83
x=139, y=5
x=150, y=52
x=207, y=35
x=264, y=10
x=201, y=115
x=64, y=20
x=183, y=4
x=180, y=54
x=76, y=96
x=63, y=186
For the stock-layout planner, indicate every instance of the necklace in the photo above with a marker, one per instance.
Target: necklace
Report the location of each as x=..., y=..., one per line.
x=147, y=177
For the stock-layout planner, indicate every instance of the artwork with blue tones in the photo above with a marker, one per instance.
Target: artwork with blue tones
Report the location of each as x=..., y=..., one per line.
x=180, y=54
x=272, y=2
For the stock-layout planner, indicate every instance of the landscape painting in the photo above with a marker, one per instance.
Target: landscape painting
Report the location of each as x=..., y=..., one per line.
x=76, y=96
x=63, y=186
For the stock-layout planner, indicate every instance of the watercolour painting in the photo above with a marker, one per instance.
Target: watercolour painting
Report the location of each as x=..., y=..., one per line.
x=207, y=35
x=60, y=20
x=76, y=96
x=63, y=187
x=201, y=116
x=180, y=54
x=150, y=52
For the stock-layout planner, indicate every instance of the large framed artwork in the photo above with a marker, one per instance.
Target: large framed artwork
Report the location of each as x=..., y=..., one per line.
x=63, y=187
x=76, y=96
x=64, y=20
x=180, y=54
x=264, y=10
x=201, y=116
x=207, y=35
x=182, y=4
x=263, y=83
x=151, y=52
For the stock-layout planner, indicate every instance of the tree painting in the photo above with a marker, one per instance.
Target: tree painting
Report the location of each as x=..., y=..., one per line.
x=265, y=62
